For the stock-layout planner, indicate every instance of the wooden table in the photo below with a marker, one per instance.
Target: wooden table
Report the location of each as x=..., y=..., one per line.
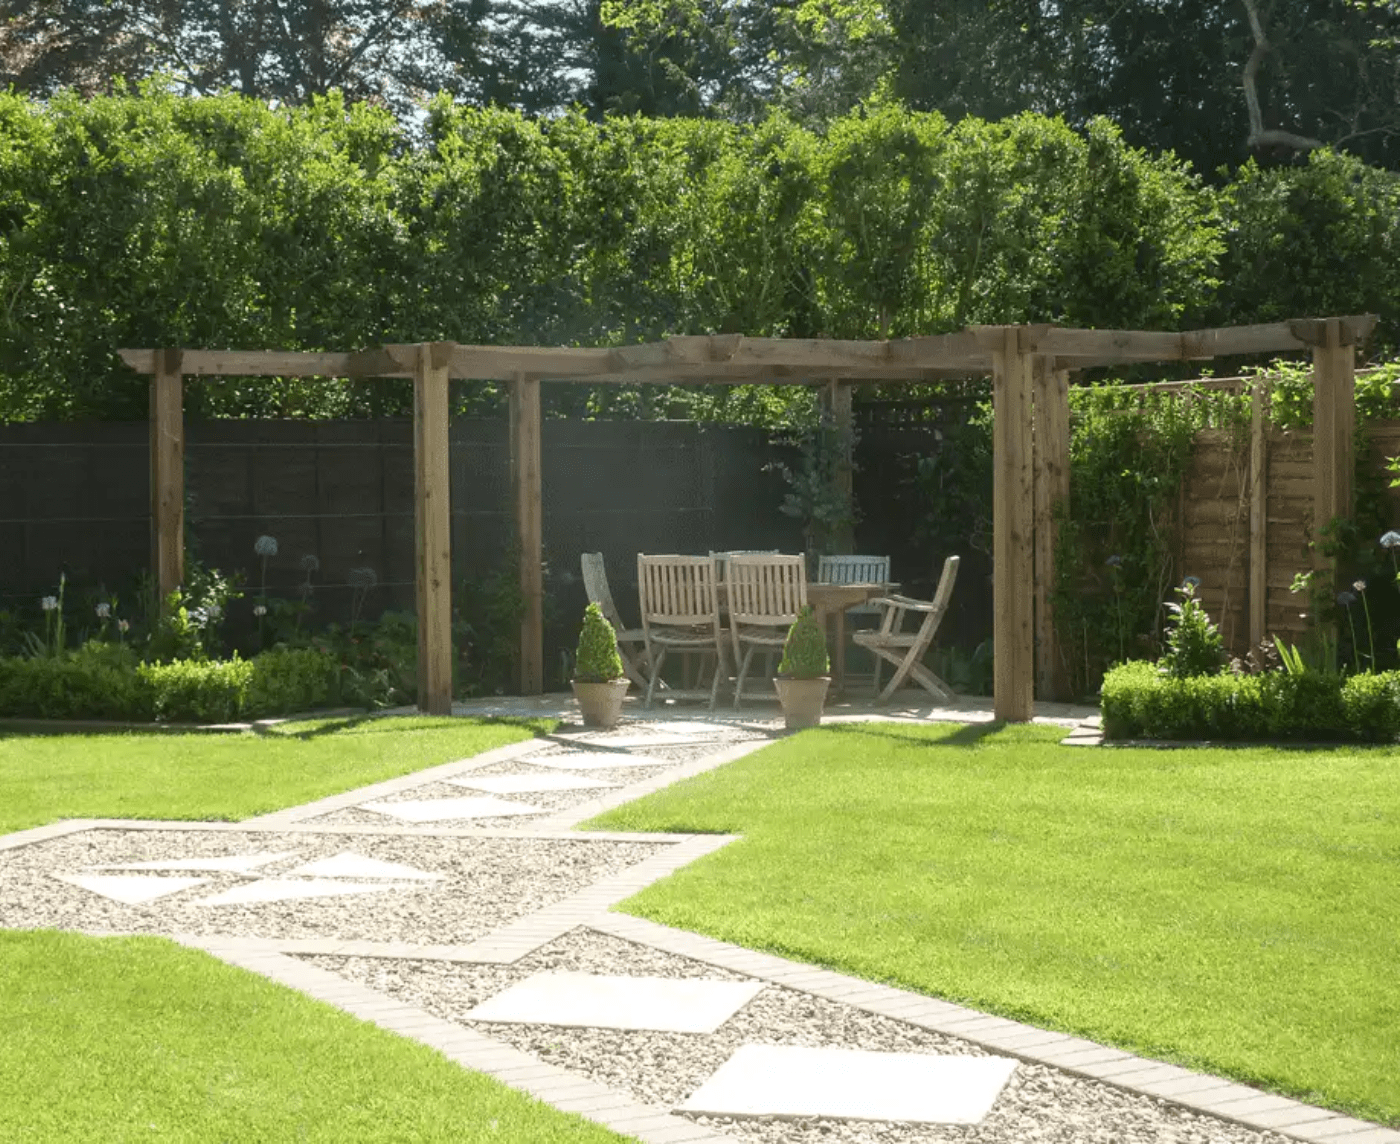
x=830, y=600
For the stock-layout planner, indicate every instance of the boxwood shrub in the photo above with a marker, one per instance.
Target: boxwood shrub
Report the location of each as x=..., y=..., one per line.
x=1138, y=701
x=105, y=682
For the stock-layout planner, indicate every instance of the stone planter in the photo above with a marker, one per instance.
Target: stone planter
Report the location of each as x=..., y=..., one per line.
x=600, y=703
x=802, y=700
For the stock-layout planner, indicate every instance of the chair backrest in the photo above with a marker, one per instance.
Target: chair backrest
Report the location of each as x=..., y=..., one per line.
x=766, y=590
x=721, y=559
x=595, y=583
x=677, y=591
x=855, y=570
x=944, y=590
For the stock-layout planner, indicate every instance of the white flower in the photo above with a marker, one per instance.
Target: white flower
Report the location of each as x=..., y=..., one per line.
x=123, y=625
x=49, y=603
x=259, y=610
x=1391, y=539
x=104, y=610
x=265, y=546
x=213, y=611
x=310, y=563
x=362, y=578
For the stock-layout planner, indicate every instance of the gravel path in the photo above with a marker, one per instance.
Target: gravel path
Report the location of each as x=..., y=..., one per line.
x=488, y=882
x=1039, y=1104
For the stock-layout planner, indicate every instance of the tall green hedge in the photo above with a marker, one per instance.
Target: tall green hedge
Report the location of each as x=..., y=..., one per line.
x=147, y=219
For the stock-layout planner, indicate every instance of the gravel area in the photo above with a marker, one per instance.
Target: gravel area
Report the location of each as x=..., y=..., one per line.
x=488, y=882
x=1038, y=1104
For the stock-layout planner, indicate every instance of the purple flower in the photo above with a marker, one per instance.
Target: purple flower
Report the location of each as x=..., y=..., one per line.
x=1192, y=582
x=1391, y=539
x=1114, y=561
x=1346, y=599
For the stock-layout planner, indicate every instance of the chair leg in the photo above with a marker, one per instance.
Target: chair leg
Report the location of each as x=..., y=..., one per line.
x=659, y=659
x=743, y=674
x=719, y=670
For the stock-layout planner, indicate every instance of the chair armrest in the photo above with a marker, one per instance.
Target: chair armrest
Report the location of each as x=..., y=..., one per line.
x=905, y=602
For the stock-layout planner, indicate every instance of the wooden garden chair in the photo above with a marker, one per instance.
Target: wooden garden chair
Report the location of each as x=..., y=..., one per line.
x=680, y=612
x=905, y=649
x=857, y=570
x=765, y=595
x=631, y=642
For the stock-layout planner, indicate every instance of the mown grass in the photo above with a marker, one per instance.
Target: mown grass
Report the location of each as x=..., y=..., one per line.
x=1234, y=910
x=125, y=1039
x=227, y=777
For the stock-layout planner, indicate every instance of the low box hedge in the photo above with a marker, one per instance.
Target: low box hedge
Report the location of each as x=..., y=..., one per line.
x=1139, y=701
x=106, y=682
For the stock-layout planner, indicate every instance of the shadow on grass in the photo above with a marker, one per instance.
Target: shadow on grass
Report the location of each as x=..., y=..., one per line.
x=956, y=735
x=373, y=723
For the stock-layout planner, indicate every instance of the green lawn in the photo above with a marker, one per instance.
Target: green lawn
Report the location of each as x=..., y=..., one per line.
x=1235, y=911
x=44, y=778
x=124, y=1039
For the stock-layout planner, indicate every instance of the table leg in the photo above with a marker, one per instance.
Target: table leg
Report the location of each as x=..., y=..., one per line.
x=839, y=659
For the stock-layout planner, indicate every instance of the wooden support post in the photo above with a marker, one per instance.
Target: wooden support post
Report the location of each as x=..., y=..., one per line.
x=529, y=526
x=1051, y=479
x=1258, y=513
x=167, y=473
x=1334, y=415
x=837, y=398
x=1013, y=636
x=433, y=526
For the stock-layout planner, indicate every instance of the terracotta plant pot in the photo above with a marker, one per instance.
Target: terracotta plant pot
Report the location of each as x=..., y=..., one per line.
x=802, y=700
x=601, y=703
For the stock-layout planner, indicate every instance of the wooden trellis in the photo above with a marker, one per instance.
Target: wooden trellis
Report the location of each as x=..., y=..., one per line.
x=1029, y=366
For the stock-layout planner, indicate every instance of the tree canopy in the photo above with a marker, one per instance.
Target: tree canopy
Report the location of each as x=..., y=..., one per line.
x=1216, y=84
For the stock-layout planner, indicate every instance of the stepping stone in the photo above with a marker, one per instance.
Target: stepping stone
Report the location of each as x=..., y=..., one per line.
x=444, y=809
x=598, y=761
x=347, y=865
x=130, y=889
x=852, y=1084
x=664, y=1004
x=234, y=864
x=283, y=890
x=531, y=784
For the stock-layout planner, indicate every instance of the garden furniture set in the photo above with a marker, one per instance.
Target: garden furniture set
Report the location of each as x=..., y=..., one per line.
x=724, y=609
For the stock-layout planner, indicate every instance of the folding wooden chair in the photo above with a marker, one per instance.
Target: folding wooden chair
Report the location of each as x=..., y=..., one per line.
x=765, y=595
x=906, y=649
x=680, y=612
x=631, y=642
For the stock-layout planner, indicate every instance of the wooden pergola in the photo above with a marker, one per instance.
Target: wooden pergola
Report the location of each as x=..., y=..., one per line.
x=1029, y=365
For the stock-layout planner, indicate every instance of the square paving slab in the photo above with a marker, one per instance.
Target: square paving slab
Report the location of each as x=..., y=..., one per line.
x=661, y=1004
x=130, y=889
x=852, y=1084
x=531, y=784
x=446, y=809
x=598, y=762
x=348, y=865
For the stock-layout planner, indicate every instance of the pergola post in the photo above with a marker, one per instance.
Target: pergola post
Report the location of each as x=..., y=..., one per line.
x=1258, y=512
x=1051, y=480
x=433, y=526
x=1334, y=415
x=529, y=526
x=836, y=398
x=1013, y=638
x=167, y=473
